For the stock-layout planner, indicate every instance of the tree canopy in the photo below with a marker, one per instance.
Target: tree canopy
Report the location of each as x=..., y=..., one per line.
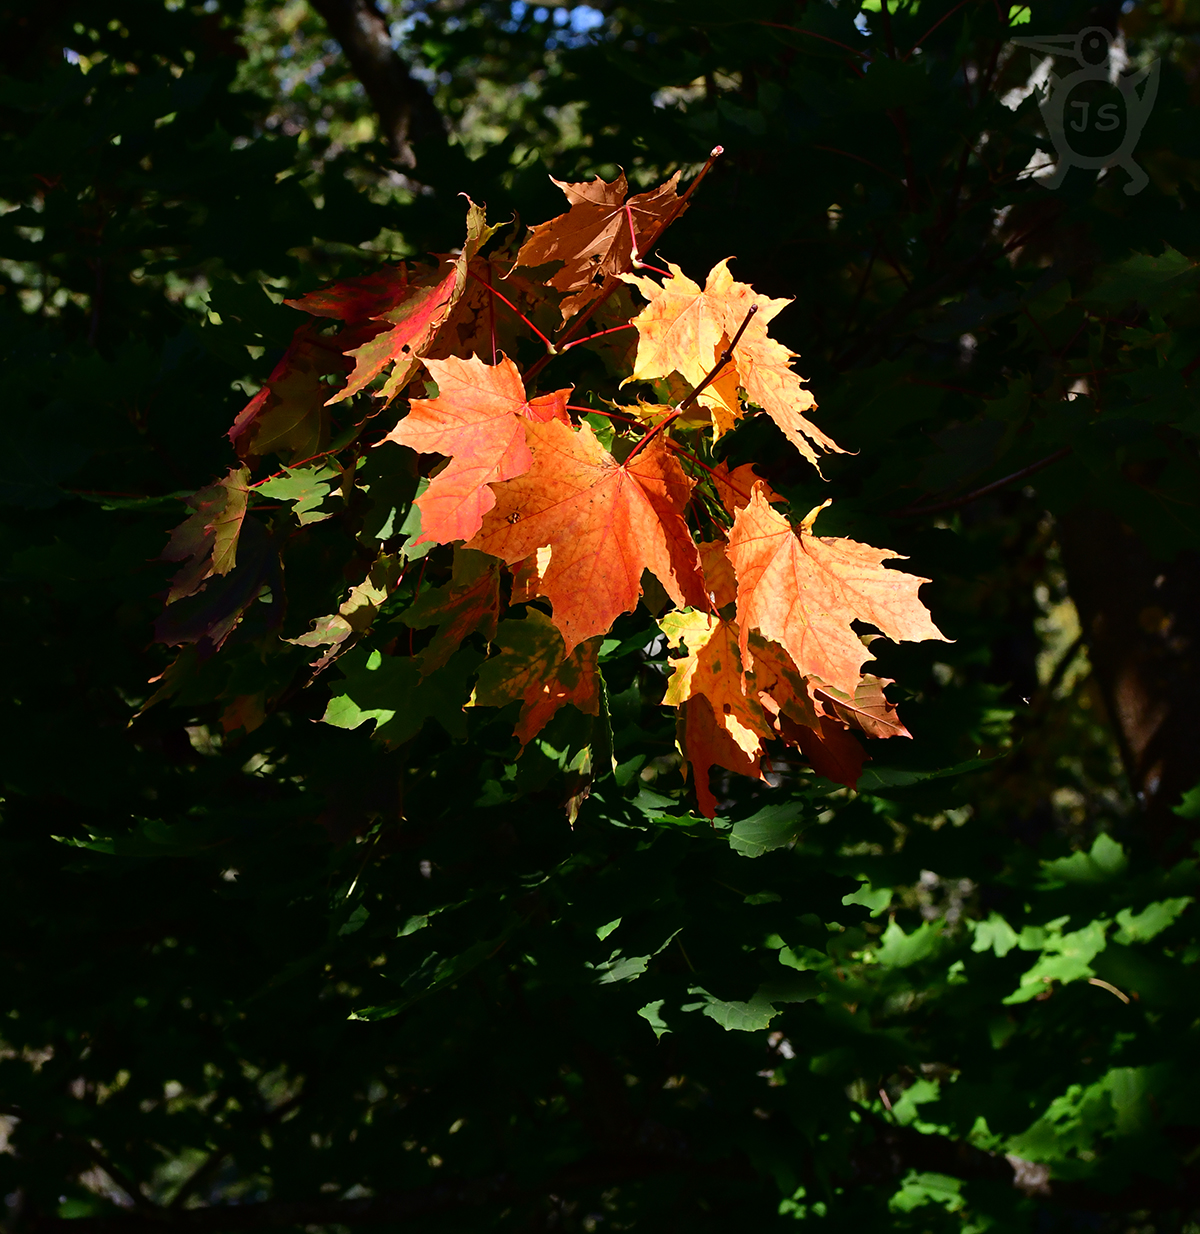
x=352, y=876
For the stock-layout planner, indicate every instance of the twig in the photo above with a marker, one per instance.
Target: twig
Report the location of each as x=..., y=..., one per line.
x=679, y=408
x=935, y=25
x=967, y=498
x=722, y=360
x=812, y=34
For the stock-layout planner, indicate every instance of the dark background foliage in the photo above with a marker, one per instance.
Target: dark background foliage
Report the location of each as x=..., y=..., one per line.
x=259, y=971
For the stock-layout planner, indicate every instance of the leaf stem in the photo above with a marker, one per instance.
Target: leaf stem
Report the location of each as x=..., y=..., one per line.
x=550, y=348
x=599, y=334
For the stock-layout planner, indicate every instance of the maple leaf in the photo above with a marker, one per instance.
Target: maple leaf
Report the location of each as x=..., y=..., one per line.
x=735, y=486
x=207, y=539
x=685, y=328
x=730, y=730
x=480, y=323
x=781, y=691
x=868, y=709
x=533, y=665
x=719, y=578
x=469, y=602
x=478, y=421
x=604, y=523
x=830, y=750
x=358, y=299
x=288, y=416
x=410, y=328
x=803, y=591
x=391, y=691
x=356, y=614
x=592, y=239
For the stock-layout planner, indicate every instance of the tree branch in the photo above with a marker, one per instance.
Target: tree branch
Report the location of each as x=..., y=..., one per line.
x=407, y=115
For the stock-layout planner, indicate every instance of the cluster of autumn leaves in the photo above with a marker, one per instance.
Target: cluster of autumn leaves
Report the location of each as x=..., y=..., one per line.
x=545, y=513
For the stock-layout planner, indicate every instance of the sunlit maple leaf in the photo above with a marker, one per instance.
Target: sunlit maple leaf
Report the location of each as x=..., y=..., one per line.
x=719, y=578
x=360, y=298
x=803, y=591
x=478, y=421
x=735, y=486
x=684, y=330
x=604, y=523
x=410, y=328
x=207, y=539
x=534, y=666
x=730, y=733
x=470, y=601
x=593, y=239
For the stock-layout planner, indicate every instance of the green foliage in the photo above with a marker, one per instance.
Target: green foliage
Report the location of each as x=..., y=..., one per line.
x=257, y=959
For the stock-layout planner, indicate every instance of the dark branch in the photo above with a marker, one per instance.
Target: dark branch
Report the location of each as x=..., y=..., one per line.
x=407, y=114
x=955, y=502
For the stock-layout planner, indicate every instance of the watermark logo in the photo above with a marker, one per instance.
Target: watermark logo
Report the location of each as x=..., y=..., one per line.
x=1094, y=115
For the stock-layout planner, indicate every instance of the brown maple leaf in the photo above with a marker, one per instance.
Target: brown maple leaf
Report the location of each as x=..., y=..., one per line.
x=604, y=523
x=480, y=323
x=478, y=421
x=803, y=591
x=534, y=666
x=411, y=327
x=684, y=330
x=735, y=486
x=868, y=710
x=592, y=239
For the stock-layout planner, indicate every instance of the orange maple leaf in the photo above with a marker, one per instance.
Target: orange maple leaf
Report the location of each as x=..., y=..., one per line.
x=685, y=328
x=534, y=666
x=728, y=731
x=592, y=239
x=604, y=523
x=803, y=591
x=478, y=421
